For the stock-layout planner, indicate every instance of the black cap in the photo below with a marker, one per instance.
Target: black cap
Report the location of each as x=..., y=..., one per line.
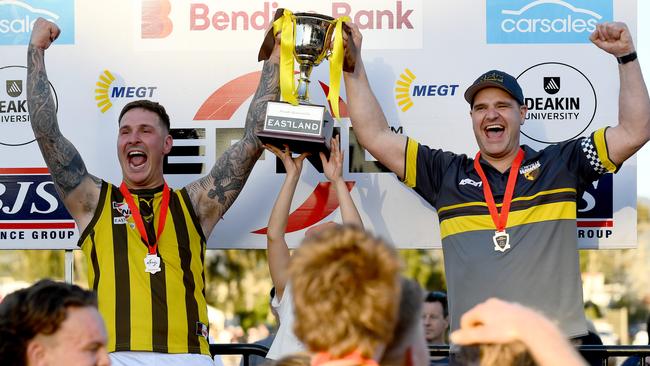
x=497, y=79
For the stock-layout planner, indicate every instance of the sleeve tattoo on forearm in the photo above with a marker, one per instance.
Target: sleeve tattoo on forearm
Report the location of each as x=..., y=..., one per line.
x=62, y=158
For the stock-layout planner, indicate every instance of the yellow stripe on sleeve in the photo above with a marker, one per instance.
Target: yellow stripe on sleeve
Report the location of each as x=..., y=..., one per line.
x=411, y=162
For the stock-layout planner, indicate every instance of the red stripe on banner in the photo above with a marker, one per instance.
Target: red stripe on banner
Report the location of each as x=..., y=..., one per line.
x=225, y=101
x=320, y=204
x=38, y=225
x=603, y=223
x=24, y=171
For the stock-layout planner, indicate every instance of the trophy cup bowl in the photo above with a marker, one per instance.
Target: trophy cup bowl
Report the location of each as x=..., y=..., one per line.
x=304, y=127
x=313, y=37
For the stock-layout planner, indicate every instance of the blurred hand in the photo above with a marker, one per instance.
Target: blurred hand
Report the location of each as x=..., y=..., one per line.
x=613, y=38
x=494, y=321
x=334, y=166
x=44, y=33
x=292, y=165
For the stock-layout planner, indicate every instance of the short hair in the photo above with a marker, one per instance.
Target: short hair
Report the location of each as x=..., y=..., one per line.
x=496, y=354
x=438, y=296
x=344, y=283
x=38, y=309
x=154, y=107
x=409, y=315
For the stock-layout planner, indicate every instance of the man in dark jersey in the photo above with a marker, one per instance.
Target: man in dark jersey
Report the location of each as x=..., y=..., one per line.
x=507, y=217
x=144, y=242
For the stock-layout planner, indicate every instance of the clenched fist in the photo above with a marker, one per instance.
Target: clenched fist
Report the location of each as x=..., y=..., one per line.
x=613, y=38
x=44, y=33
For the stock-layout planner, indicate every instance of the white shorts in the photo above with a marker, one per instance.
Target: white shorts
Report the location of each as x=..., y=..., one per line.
x=131, y=358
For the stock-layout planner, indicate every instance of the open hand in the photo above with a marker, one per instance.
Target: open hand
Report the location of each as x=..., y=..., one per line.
x=292, y=165
x=334, y=166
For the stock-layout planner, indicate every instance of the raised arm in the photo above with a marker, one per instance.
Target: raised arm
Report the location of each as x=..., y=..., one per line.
x=77, y=188
x=333, y=171
x=276, y=246
x=213, y=194
x=633, y=129
x=368, y=120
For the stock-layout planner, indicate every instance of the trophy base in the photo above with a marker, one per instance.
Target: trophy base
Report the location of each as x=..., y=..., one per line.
x=303, y=128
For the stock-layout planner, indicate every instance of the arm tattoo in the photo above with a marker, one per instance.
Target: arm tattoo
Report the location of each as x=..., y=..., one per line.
x=230, y=172
x=62, y=158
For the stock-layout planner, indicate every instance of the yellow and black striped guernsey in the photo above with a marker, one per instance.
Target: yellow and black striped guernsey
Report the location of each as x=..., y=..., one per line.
x=163, y=312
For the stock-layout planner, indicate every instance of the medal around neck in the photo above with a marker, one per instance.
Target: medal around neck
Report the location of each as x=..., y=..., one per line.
x=152, y=263
x=501, y=241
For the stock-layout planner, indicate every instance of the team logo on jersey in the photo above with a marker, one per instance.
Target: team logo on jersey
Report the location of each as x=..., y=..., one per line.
x=531, y=171
x=123, y=212
x=471, y=182
x=202, y=330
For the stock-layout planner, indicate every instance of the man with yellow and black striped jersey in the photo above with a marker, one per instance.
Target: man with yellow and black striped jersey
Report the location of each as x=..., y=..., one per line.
x=145, y=242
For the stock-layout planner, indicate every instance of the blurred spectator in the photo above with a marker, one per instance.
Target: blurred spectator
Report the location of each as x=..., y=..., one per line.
x=345, y=283
x=408, y=347
x=435, y=317
x=52, y=323
x=500, y=329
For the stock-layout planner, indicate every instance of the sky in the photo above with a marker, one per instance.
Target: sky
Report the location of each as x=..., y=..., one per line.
x=643, y=49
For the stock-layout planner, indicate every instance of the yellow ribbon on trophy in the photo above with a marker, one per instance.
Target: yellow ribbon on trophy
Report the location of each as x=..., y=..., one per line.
x=285, y=24
x=336, y=66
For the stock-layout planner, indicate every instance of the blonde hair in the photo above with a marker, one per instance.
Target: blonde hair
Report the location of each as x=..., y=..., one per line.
x=508, y=354
x=346, y=288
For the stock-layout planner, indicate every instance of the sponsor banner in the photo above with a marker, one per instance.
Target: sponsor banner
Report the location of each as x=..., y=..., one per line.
x=545, y=21
x=31, y=213
x=15, y=129
x=561, y=102
x=199, y=59
x=182, y=25
x=17, y=18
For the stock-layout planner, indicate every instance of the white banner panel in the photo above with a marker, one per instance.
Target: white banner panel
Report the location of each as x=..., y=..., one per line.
x=199, y=59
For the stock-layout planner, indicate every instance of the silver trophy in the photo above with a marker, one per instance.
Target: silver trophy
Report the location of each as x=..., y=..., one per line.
x=303, y=127
x=313, y=37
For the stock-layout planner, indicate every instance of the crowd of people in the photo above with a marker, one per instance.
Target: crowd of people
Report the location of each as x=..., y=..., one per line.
x=509, y=243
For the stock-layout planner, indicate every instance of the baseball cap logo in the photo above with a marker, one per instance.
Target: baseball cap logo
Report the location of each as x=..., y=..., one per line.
x=14, y=88
x=155, y=19
x=493, y=77
x=552, y=84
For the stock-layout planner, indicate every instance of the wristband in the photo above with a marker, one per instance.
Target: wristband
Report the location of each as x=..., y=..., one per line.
x=627, y=58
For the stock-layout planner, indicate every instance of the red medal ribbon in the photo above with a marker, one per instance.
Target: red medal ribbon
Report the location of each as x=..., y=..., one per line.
x=137, y=217
x=500, y=220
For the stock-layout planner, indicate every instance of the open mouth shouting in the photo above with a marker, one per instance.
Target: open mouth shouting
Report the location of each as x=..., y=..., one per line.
x=494, y=131
x=136, y=159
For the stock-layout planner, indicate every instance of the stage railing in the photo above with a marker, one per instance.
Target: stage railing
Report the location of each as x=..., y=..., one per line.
x=602, y=352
